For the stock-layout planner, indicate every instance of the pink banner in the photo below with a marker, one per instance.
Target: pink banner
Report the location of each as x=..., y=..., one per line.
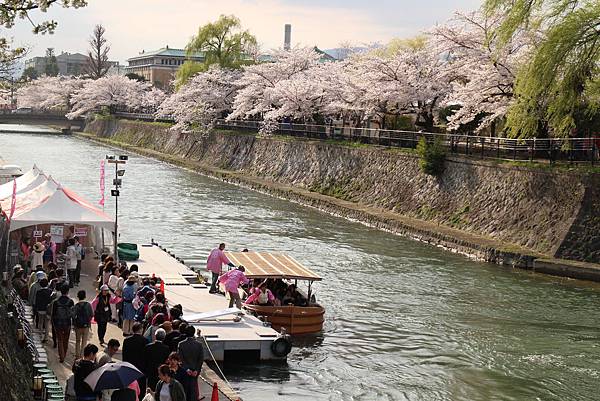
x=13, y=203
x=102, y=183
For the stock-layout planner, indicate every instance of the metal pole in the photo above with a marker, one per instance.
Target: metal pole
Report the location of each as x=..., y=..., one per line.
x=116, y=214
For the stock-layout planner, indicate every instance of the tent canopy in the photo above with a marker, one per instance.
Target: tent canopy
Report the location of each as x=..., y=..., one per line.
x=23, y=182
x=49, y=203
x=271, y=265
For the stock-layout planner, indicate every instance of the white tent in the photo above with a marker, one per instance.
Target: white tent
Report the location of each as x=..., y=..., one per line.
x=35, y=188
x=58, y=207
x=23, y=182
x=33, y=196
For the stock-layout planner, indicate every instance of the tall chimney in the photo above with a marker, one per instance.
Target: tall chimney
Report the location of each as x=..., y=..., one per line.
x=287, y=39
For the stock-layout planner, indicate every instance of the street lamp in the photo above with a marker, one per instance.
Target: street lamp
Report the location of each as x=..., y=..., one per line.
x=117, y=182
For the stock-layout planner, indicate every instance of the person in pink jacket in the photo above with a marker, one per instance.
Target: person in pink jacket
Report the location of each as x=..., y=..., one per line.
x=215, y=263
x=232, y=280
x=262, y=296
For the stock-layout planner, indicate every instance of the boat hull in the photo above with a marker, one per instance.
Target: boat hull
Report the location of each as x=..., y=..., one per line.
x=295, y=319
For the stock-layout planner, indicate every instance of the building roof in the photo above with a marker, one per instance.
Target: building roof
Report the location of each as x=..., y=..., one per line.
x=166, y=52
x=72, y=56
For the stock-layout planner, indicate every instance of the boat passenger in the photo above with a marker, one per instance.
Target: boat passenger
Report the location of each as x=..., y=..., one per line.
x=292, y=296
x=232, y=280
x=263, y=296
x=215, y=263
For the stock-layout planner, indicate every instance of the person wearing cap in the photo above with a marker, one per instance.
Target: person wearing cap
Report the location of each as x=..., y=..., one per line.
x=129, y=291
x=19, y=283
x=37, y=255
x=102, y=312
x=215, y=263
x=33, y=289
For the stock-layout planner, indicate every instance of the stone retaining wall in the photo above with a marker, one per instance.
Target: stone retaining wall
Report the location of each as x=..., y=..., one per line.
x=476, y=208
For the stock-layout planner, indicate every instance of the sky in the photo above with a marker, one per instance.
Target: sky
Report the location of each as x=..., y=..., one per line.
x=136, y=25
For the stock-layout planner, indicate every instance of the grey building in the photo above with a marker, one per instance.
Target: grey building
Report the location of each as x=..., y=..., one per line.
x=71, y=64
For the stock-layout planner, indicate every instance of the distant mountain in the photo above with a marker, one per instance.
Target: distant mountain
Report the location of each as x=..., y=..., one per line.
x=341, y=53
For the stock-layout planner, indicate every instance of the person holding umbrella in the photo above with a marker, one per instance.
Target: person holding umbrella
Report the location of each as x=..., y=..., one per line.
x=115, y=381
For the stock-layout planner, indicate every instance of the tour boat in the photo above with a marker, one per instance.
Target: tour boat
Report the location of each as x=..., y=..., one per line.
x=294, y=319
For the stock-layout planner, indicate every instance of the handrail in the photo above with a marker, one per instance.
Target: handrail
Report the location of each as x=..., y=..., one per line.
x=532, y=149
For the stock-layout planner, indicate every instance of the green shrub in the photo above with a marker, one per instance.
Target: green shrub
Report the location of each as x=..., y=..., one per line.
x=433, y=156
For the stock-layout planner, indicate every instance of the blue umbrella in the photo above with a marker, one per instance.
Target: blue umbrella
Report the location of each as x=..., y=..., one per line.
x=113, y=376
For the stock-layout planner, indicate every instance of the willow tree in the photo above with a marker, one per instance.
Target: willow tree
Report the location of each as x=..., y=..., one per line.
x=557, y=91
x=223, y=43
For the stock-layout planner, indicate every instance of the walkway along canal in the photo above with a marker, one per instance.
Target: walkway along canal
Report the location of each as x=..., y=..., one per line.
x=405, y=321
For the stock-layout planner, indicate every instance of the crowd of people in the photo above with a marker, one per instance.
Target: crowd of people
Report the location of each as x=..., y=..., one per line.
x=157, y=340
x=71, y=252
x=173, y=358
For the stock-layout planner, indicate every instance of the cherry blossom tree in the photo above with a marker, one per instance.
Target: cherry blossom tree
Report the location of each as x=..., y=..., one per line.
x=203, y=99
x=111, y=92
x=404, y=81
x=50, y=93
x=481, y=68
x=344, y=86
x=265, y=87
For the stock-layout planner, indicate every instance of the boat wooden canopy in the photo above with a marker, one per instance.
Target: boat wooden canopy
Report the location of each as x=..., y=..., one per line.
x=271, y=265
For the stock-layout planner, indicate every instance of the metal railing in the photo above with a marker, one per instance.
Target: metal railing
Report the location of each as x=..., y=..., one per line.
x=584, y=150
x=534, y=149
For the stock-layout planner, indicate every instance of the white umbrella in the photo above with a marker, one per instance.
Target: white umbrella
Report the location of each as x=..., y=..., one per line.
x=113, y=376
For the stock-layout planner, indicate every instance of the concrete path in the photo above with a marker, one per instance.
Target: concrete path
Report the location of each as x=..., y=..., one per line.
x=63, y=370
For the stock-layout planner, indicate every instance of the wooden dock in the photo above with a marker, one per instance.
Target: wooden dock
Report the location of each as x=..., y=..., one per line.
x=224, y=336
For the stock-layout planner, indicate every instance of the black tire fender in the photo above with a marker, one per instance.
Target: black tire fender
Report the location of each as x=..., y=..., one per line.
x=281, y=347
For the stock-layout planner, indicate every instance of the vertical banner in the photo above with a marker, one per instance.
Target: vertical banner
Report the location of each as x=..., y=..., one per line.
x=13, y=203
x=101, y=203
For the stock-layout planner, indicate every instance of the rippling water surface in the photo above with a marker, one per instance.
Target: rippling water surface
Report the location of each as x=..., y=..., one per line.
x=405, y=321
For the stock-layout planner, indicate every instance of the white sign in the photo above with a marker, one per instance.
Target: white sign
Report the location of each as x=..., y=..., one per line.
x=37, y=234
x=57, y=230
x=80, y=232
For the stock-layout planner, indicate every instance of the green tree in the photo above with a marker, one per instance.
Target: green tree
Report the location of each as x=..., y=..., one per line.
x=51, y=68
x=222, y=42
x=29, y=74
x=135, y=77
x=556, y=92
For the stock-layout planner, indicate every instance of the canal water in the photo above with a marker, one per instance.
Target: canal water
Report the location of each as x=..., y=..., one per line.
x=405, y=321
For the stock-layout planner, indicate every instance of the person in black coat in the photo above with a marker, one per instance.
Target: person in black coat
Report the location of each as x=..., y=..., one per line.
x=133, y=352
x=81, y=369
x=191, y=353
x=102, y=311
x=155, y=354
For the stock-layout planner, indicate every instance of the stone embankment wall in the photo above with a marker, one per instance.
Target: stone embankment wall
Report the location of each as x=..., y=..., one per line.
x=497, y=212
x=15, y=363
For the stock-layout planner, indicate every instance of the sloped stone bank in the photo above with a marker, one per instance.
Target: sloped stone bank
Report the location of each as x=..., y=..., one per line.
x=15, y=363
x=496, y=213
